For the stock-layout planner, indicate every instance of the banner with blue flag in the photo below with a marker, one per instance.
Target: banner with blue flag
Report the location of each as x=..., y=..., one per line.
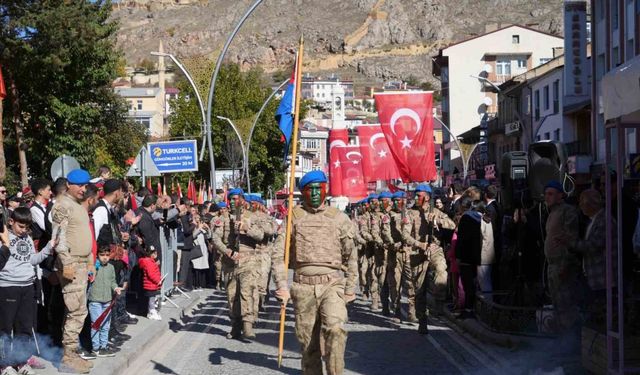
x=286, y=110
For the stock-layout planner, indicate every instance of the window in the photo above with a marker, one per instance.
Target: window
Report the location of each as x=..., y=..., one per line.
x=536, y=106
x=556, y=96
x=545, y=97
x=139, y=102
x=515, y=39
x=503, y=67
x=547, y=136
x=537, y=138
x=130, y=104
x=615, y=57
x=522, y=62
x=146, y=121
x=556, y=135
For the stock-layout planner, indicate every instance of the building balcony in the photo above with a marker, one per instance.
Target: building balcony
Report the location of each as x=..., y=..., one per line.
x=578, y=148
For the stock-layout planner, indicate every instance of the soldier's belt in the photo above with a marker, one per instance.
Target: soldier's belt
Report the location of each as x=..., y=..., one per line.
x=80, y=258
x=318, y=279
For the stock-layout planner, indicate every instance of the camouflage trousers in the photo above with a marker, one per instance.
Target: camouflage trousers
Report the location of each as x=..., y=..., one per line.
x=422, y=264
x=399, y=274
x=242, y=289
x=74, y=294
x=263, y=277
x=564, y=289
x=377, y=272
x=363, y=264
x=321, y=313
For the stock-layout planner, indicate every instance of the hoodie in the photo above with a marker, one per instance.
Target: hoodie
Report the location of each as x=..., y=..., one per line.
x=20, y=267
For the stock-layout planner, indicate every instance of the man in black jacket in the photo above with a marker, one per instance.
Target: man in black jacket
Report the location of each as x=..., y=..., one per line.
x=185, y=242
x=468, y=251
x=494, y=211
x=148, y=228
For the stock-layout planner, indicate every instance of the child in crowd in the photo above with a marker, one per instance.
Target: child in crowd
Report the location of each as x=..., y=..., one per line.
x=151, y=281
x=100, y=296
x=17, y=293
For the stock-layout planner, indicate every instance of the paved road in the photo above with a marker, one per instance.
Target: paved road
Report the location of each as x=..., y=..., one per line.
x=196, y=344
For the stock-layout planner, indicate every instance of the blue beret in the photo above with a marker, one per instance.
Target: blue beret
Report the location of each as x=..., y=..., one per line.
x=553, y=184
x=236, y=191
x=78, y=177
x=386, y=194
x=312, y=177
x=222, y=205
x=423, y=187
x=371, y=197
x=399, y=194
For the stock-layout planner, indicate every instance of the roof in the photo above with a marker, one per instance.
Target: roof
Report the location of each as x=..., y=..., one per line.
x=498, y=30
x=137, y=92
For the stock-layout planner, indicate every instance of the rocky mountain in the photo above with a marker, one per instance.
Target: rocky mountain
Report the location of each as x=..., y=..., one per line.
x=371, y=40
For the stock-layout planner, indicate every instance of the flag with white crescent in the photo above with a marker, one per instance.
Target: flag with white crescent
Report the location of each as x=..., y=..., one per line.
x=406, y=119
x=337, y=138
x=377, y=161
x=353, y=183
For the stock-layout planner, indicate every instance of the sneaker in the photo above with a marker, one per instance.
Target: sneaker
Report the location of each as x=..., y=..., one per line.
x=26, y=370
x=35, y=363
x=9, y=371
x=86, y=355
x=154, y=316
x=103, y=353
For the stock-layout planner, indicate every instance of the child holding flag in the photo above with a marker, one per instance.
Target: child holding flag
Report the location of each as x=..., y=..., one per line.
x=100, y=300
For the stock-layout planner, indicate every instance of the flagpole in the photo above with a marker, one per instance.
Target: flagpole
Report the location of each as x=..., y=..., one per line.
x=292, y=182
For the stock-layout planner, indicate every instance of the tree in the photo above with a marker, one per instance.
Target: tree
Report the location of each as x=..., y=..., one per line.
x=61, y=59
x=239, y=96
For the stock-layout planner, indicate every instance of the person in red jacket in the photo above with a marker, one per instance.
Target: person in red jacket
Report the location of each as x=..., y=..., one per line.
x=151, y=281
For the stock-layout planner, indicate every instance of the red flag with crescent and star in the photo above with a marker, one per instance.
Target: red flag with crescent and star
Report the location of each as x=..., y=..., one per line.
x=350, y=165
x=406, y=119
x=377, y=161
x=337, y=138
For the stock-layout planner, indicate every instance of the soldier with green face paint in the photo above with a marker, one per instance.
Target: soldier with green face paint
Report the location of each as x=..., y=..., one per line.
x=323, y=257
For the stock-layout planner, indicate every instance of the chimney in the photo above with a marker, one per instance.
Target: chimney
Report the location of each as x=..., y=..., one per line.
x=576, y=68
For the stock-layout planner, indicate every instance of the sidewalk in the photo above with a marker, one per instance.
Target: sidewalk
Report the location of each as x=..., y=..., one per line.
x=143, y=333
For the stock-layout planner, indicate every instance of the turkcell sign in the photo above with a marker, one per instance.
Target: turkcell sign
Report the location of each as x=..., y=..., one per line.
x=174, y=156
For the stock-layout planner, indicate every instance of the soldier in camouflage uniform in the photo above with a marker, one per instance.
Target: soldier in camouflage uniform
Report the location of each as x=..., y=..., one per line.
x=264, y=249
x=246, y=233
x=362, y=240
x=427, y=222
x=377, y=257
x=564, y=265
x=324, y=260
x=221, y=228
x=398, y=234
x=74, y=263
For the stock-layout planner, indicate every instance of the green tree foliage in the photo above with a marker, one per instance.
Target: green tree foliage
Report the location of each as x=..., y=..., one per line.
x=239, y=96
x=60, y=55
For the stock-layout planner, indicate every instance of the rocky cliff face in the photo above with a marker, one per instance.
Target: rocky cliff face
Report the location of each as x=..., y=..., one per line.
x=375, y=39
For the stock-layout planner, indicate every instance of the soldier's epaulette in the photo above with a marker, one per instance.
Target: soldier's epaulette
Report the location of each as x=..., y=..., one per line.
x=331, y=212
x=386, y=219
x=298, y=212
x=218, y=223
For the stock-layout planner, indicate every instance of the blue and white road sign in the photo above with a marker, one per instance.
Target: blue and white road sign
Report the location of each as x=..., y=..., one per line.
x=174, y=156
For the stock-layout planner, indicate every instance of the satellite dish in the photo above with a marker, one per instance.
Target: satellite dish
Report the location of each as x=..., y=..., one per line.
x=487, y=68
x=487, y=101
x=62, y=166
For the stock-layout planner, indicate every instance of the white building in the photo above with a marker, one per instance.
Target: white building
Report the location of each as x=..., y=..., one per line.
x=146, y=106
x=321, y=90
x=470, y=69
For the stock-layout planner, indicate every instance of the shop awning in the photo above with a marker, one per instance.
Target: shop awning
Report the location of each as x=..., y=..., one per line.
x=621, y=90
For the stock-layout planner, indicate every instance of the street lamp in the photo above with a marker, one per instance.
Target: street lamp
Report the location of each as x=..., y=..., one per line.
x=245, y=160
x=487, y=80
x=202, y=113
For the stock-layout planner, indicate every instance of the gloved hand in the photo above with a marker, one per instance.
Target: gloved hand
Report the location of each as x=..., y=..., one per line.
x=69, y=272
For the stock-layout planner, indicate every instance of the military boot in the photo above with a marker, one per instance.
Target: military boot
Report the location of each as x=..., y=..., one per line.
x=375, y=303
x=71, y=363
x=247, y=330
x=236, y=330
x=423, y=328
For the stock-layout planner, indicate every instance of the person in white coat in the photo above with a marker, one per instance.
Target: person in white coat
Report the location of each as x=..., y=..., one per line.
x=201, y=263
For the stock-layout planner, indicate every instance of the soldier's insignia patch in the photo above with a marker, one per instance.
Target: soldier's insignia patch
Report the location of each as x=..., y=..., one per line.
x=217, y=223
x=385, y=219
x=405, y=220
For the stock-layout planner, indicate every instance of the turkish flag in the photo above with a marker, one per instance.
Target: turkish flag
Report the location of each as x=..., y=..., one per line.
x=407, y=123
x=350, y=166
x=337, y=138
x=377, y=161
x=3, y=91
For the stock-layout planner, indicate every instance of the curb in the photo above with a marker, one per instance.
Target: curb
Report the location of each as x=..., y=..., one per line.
x=125, y=358
x=481, y=333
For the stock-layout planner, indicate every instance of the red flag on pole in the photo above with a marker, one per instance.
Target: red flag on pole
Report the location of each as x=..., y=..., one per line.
x=173, y=187
x=377, y=161
x=407, y=123
x=149, y=186
x=179, y=191
x=189, y=191
x=350, y=166
x=337, y=138
x=3, y=90
x=159, y=188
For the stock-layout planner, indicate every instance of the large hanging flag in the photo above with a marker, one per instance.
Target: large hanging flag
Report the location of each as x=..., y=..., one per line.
x=337, y=138
x=407, y=123
x=377, y=161
x=286, y=110
x=353, y=184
